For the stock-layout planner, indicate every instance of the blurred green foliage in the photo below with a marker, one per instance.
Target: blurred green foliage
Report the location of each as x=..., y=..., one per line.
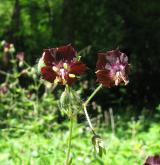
x=34, y=128
x=24, y=145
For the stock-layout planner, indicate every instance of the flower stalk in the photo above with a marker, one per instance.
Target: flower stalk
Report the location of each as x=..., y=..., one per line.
x=68, y=159
x=85, y=107
x=93, y=94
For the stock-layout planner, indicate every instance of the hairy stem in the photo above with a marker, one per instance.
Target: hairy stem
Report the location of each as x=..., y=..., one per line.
x=88, y=120
x=69, y=142
x=85, y=107
x=93, y=94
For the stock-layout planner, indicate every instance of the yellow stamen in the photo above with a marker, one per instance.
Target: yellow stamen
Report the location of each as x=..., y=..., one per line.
x=65, y=66
x=117, y=78
x=11, y=45
x=55, y=68
x=116, y=82
x=64, y=81
x=56, y=81
x=124, y=79
x=6, y=49
x=72, y=75
x=97, y=71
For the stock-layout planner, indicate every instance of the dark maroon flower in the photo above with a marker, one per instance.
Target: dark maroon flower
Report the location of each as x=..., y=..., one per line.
x=153, y=160
x=61, y=65
x=112, y=68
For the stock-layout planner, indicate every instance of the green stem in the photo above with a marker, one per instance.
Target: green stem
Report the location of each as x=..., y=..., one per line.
x=69, y=142
x=13, y=60
x=93, y=94
x=88, y=120
x=27, y=64
x=3, y=73
x=85, y=107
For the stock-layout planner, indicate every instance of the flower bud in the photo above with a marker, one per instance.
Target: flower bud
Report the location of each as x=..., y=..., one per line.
x=98, y=145
x=41, y=64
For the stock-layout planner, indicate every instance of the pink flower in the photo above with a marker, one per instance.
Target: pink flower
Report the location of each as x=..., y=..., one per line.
x=20, y=56
x=3, y=88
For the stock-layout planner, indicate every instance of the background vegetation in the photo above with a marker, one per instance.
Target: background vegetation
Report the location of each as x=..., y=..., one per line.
x=33, y=129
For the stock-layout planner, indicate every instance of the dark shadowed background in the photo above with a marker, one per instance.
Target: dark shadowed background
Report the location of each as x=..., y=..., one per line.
x=97, y=25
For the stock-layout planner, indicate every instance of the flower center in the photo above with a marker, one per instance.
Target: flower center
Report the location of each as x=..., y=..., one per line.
x=120, y=77
x=62, y=73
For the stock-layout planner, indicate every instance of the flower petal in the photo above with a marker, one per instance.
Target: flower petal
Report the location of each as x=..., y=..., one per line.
x=123, y=58
x=77, y=68
x=104, y=77
x=48, y=74
x=66, y=53
x=70, y=81
x=113, y=57
x=48, y=56
x=101, y=61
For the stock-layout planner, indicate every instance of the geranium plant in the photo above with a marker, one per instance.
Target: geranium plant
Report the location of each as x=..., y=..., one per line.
x=63, y=66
